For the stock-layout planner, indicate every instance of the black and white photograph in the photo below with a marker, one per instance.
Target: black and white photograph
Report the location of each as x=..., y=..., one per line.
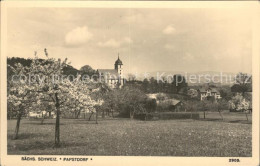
x=129, y=82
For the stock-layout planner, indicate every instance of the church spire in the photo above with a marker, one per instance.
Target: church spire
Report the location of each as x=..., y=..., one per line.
x=118, y=63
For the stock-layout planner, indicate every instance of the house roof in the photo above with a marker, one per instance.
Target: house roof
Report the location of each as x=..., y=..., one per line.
x=152, y=95
x=214, y=90
x=111, y=74
x=204, y=90
x=172, y=101
x=155, y=95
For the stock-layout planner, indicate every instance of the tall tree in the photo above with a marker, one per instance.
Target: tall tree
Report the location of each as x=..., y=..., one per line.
x=243, y=83
x=204, y=106
x=131, y=77
x=178, y=83
x=127, y=101
x=192, y=93
x=134, y=101
x=87, y=71
x=145, y=85
x=225, y=92
x=153, y=85
x=222, y=105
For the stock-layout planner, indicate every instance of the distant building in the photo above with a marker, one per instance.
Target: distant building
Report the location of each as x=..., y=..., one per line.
x=204, y=93
x=113, y=77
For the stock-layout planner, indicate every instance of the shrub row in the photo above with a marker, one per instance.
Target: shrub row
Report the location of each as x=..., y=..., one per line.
x=167, y=115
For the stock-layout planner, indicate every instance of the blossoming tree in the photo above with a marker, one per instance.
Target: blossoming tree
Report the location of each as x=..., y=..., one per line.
x=45, y=83
x=239, y=103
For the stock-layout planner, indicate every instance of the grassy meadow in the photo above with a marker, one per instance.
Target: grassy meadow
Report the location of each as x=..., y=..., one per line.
x=118, y=136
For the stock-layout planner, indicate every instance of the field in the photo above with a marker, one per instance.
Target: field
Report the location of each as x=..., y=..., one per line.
x=209, y=137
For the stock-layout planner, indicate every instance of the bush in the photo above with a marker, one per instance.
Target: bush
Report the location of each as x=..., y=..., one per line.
x=161, y=107
x=192, y=105
x=161, y=96
x=150, y=105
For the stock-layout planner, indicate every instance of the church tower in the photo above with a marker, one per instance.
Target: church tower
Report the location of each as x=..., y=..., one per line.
x=119, y=69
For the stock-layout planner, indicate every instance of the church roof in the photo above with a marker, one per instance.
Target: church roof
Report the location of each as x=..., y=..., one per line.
x=118, y=61
x=112, y=72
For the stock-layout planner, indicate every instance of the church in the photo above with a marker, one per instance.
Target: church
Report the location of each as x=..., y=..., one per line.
x=113, y=77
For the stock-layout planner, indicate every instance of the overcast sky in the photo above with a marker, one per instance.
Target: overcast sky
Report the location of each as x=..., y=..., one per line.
x=147, y=40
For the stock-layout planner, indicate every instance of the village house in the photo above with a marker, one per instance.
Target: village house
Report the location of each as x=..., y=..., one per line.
x=204, y=93
x=113, y=77
x=174, y=105
x=171, y=104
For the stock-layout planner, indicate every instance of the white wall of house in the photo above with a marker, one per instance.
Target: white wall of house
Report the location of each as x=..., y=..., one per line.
x=204, y=95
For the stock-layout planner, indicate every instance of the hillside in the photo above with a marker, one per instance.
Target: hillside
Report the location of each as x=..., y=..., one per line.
x=69, y=70
x=196, y=78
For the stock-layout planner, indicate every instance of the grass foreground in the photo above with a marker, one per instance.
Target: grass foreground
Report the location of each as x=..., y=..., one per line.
x=210, y=137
